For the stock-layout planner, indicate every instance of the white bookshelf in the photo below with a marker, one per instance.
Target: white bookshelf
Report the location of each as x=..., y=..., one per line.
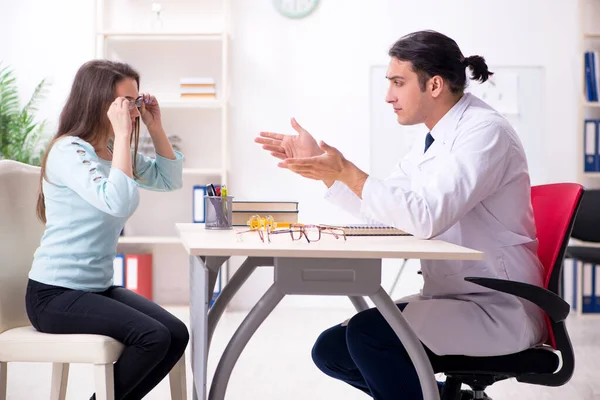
x=191, y=40
x=589, y=13
x=149, y=240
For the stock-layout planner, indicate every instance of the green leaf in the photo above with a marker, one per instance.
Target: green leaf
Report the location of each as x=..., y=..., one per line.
x=20, y=134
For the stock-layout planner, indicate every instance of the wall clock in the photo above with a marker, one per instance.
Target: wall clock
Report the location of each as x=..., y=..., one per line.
x=295, y=8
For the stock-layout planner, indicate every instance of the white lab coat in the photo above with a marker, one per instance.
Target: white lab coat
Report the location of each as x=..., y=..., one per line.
x=470, y=188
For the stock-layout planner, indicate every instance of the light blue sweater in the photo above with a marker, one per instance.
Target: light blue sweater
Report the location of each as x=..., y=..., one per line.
x=87, y=204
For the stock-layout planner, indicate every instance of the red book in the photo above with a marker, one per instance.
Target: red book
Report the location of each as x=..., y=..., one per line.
x=138, y=276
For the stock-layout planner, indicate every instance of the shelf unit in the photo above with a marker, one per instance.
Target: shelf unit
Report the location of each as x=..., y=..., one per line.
x=190, y=39
x=589, y=15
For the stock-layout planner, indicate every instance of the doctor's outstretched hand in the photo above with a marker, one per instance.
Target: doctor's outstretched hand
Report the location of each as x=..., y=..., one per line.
x=290, y=146
x=329, y=166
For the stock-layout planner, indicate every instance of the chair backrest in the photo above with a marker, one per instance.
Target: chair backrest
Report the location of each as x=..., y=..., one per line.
x=20, y=233
x=555, y=207
x=587, y=223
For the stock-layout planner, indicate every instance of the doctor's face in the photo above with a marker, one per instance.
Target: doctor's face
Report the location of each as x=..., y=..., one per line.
x=404, y=93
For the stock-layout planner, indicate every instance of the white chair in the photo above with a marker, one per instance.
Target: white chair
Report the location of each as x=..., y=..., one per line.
x=20, y=233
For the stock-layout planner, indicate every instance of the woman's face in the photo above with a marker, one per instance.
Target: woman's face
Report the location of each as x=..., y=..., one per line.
x=128, y=88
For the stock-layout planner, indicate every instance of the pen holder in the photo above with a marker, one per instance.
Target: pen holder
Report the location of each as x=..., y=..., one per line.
x=218, y=212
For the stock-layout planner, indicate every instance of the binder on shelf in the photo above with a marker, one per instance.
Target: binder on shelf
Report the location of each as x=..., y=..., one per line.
x=198, y=211
x=596, y=289
x=588, y=283
x=590, y=77
x=217, y=289
x=119, y=270
x=590, y=150
x=569, y=283
x=595, y=74
x=138, y=274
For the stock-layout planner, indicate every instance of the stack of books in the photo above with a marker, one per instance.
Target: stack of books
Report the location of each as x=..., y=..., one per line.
x=281, y=211
x=202, y=88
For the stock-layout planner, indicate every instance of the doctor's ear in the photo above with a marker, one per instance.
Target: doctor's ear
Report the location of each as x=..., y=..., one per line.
x=436, y=84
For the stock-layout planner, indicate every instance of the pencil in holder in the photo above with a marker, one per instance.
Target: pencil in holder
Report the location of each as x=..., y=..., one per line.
x=218, y=212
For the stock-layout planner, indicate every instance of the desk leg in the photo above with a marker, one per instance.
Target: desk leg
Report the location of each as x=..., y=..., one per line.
x=411, y=342
x=242, y=335
x=203, y=275
x=232, y=287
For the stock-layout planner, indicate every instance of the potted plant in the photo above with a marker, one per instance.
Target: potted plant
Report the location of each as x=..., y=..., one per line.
x=20, y=134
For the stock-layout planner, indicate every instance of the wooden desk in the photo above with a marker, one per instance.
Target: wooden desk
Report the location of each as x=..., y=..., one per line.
x=329, y=267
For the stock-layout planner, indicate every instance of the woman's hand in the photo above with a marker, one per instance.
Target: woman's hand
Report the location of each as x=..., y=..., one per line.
x=284, y=147
x=118, y=115
x=150, y=112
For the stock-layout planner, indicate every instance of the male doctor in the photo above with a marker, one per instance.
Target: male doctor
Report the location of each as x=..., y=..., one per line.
x=465, y=182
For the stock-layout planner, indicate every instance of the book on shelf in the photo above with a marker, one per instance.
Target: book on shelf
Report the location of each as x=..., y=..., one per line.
x=372, y=230
x=198, y=95
x=196, y=81
x=198, y=90
x=262, y=206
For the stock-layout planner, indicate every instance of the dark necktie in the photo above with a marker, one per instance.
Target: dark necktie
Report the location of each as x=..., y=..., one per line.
x=428, y=141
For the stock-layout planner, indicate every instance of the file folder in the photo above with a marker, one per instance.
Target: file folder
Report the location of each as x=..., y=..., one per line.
x=588, y=276
x=119, y=270
x=217, y=290
x=590, y=142
x=138, y=274
x=199, y=213
x=596, y=289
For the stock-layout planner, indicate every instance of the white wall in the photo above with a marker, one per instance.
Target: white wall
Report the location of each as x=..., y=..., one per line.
x=46, y=39
x=317, y=69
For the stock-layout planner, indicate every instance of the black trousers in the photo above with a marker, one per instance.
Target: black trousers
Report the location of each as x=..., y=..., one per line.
x=368, y=355
x=154, y=339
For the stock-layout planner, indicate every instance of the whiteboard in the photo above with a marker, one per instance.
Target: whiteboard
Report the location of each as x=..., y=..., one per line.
x=389, y=141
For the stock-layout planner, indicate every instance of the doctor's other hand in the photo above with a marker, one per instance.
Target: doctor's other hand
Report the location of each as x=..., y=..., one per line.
x=285, y=147
x=330, y=166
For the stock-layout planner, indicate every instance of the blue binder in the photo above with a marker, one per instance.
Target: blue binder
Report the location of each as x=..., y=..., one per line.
x=198, y=211
x=594, y=72
x=217, y=290
x=590, y=145
x=588, y=76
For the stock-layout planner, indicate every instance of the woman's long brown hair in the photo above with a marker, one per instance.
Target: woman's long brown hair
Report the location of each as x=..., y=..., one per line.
x=84, y=114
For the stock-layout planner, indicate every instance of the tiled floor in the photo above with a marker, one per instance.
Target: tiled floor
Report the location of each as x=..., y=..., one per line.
x=276, y=364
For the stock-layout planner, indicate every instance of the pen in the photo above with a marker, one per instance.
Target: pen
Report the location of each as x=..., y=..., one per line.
x=224, y=199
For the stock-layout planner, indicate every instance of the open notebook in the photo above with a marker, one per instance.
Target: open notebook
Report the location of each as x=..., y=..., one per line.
x=372, y=230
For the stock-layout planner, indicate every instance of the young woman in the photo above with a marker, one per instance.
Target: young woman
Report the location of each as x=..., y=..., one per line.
x=89, y=185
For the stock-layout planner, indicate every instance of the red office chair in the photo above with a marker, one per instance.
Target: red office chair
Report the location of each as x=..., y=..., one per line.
x=554, y=208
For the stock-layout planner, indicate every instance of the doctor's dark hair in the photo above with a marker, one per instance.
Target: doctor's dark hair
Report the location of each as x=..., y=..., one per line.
x=432, y=53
